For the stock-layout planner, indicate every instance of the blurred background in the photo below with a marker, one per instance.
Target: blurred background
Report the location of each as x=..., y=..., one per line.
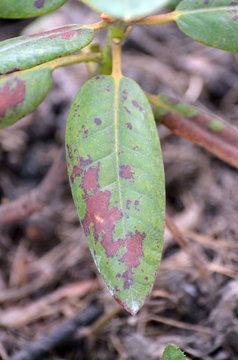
x=47, y=275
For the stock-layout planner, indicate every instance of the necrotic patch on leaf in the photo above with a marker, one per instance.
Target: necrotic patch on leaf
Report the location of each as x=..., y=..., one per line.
x=98, y=213
x=126, y=172
x=39, y=4
x=11, y=95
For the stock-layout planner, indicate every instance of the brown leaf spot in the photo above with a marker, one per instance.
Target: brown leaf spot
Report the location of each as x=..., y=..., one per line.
x=11, y=95
x=129, y=125
x=136, y=105
x=127, y=110
x=134, y=249
x=125, y=172
x=98, y=213
x=39, y=4
x=78, y=169
x=97, y=121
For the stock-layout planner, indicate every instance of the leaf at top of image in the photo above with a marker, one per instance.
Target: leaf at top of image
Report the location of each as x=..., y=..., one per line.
x=25, y=52
x=212, y=22
x=115, y=168
x=171, y=352
x=126, y=9
x=17, y=9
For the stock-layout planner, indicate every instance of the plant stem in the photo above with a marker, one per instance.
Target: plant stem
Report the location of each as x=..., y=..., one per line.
x=157, y=19
x=97, y=26
x=116, y=60
x=72, y=59
x=196, y=129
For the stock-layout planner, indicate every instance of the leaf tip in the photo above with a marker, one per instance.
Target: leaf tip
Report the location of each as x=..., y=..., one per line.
x=132, y=309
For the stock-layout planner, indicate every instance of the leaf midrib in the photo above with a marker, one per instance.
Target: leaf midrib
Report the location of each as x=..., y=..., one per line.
x=202, y=10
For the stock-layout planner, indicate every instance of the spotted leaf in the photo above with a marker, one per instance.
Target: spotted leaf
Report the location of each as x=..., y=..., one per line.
x=212, y=22
x=17, y=9
x=116, y=173
x=126, y=9
x=25, y=52
x=21, y=93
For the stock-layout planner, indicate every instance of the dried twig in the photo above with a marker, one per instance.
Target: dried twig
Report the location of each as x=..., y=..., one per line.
x=217, y=136
x=181, y=241
x=61, y=336
x=36, y=199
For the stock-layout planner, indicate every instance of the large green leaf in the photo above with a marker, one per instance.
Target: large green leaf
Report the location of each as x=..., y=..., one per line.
x=171, y=352
x=21, y=93
x=212, y=22
x=116, y=174
x=16, y=9
x=126, y=9
x=28, y=51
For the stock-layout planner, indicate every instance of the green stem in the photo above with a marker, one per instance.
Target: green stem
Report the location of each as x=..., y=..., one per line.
x=97, y=26
x=158, y=19
x=72, y=59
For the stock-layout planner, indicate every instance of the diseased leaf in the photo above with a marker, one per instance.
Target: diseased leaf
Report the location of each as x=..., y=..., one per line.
x=171, y=352
x=21, y=93
x=126, y=9
x=16, y=9
x=25, y=52
x=116, y=174
x=212, y=22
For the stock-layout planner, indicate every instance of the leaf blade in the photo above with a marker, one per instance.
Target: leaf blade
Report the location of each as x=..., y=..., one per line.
x=14, y=9
x=28, y=51
x=171, y=352
x=126, y=9
x=214, y=23
x=112, y=189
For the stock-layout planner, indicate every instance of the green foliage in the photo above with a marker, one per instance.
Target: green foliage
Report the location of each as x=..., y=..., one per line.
x=173, y=3
x=17, y=9
x=25, y=52
x=214, y=23
x=116, y=173
x=124, y=9
x=171, y=352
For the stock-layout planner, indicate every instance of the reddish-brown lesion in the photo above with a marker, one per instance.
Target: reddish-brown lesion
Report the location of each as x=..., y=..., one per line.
x=126, y=172
x=79, y=168
x=103, y=219
x=98, y=213
x=11, y=95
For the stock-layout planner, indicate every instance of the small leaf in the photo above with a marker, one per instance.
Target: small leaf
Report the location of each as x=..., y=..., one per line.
x=116, y=174
x=21, y=93
x=127, y=9
x=16, y=9
x=212, y=22
x=25, y=52
x=173, y=3
x=171, y=352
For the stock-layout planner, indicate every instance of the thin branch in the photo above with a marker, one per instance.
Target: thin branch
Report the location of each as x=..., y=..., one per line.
x=222, y=141
x=182, y=242
x=59, y=337
x=157, y=19
x=35, y=200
